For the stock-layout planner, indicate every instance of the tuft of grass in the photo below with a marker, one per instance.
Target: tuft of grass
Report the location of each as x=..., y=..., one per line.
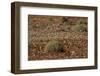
x=54, y=46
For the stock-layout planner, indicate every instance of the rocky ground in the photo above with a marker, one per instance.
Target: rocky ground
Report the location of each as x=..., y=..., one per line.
x=42, y=29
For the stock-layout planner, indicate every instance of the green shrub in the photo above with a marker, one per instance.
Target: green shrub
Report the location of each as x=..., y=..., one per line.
x=81, y=25
x=54, y=46
x=80, y=28
x=82, y=21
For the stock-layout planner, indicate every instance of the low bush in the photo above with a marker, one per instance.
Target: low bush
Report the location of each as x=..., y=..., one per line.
x=80, y=28
x=54, y=46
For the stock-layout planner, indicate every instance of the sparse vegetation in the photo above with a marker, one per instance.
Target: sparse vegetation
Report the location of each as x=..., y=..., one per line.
x=79, y=28
x=57, y=37
x=54, y=46
x=64, y=19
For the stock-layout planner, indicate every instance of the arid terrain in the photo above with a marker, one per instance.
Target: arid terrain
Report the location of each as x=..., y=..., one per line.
x=57, y=37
